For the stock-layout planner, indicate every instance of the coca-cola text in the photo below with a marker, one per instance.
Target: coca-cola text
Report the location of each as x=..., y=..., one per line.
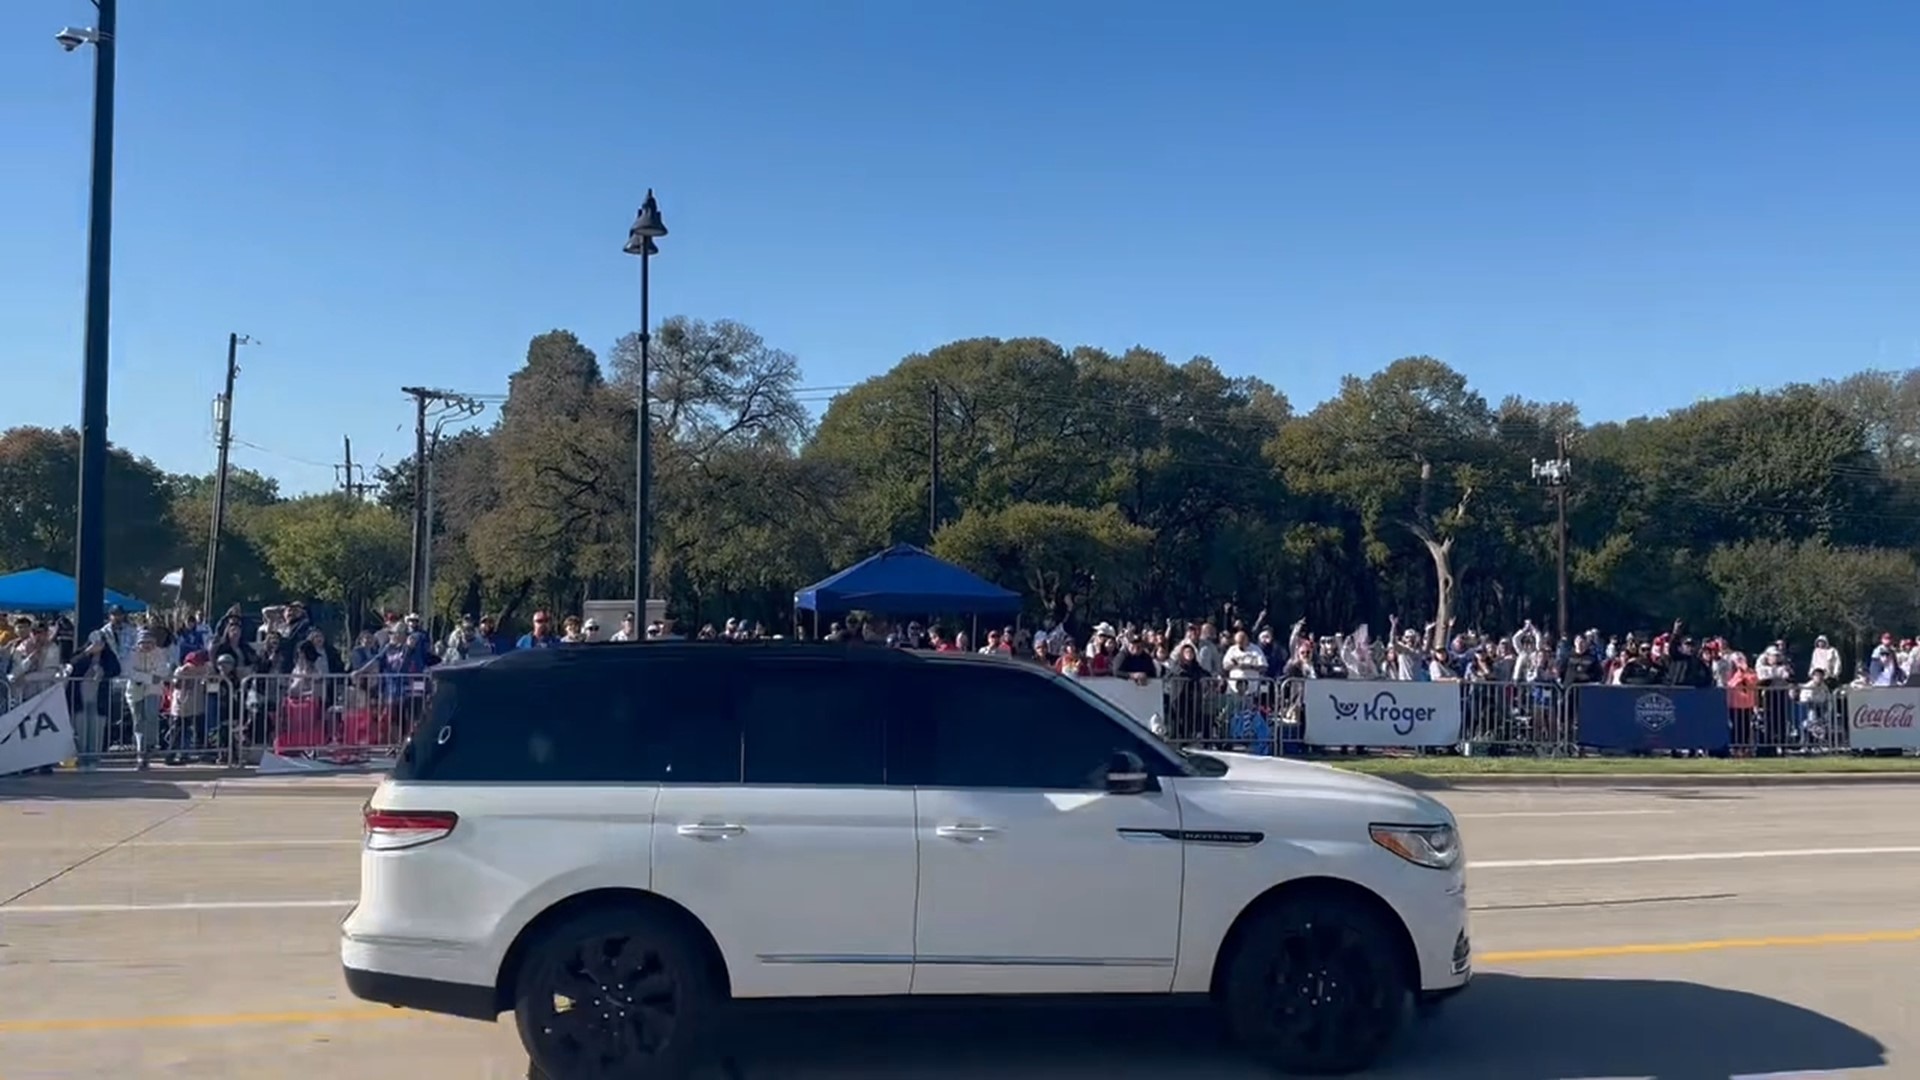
x=1883, y=716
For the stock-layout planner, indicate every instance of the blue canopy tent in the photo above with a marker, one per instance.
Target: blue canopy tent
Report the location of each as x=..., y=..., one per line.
x=49, y=592
x=905, y=580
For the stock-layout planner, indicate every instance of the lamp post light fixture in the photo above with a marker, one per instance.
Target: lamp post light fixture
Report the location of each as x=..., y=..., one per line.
x=90, y=541
x=647, y=227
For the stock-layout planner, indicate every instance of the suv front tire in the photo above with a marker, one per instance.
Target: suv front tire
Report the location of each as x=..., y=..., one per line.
x=1316, y=987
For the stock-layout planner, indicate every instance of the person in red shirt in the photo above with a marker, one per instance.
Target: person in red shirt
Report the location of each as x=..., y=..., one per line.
x=1071, y=662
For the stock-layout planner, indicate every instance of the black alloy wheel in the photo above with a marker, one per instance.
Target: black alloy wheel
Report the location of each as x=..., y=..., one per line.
x=613, y=994
x=1317, y=987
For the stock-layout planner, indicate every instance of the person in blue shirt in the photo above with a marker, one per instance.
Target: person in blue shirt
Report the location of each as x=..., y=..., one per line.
x=543, y=636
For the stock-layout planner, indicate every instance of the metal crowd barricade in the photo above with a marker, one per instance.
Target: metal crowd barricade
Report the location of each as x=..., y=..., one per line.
x=1787, y=719
x=341, y=718
x=129, y=720
x=1516, y=718
x=1257, y=715
x=1269, y=716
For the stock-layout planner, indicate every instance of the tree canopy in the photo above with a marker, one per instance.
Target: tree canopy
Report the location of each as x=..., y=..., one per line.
x=1106, y=484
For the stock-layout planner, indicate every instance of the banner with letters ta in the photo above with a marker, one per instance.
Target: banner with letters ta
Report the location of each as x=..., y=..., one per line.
x=37, y=732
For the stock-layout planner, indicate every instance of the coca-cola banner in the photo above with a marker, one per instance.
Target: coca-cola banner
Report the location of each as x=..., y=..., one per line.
x=1881, y=717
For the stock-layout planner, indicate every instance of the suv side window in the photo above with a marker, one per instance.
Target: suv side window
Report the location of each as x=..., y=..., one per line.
x=811, y=723
x=527, y=727
x=687, y=725
x=641, y=723
x=977, y=726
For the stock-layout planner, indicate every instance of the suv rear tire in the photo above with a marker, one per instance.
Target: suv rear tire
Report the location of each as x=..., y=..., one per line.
x=614, y=992
x=1316, y=987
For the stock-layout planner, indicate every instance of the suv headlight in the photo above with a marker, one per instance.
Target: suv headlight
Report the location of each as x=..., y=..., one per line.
x=1436, y=847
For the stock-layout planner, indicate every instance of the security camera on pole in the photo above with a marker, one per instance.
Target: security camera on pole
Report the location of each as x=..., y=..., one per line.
x=1556, y=474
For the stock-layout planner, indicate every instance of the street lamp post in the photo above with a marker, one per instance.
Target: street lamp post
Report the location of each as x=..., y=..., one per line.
x=90, y=571
x=647, y=227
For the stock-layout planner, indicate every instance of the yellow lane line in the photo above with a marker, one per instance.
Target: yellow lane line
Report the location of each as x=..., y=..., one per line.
x=357, y=1015
x=1680, y=948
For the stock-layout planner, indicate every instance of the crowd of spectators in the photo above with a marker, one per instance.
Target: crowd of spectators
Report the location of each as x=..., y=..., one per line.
x=175, y=686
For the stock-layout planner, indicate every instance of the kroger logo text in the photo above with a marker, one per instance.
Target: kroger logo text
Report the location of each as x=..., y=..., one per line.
x=1384, y=709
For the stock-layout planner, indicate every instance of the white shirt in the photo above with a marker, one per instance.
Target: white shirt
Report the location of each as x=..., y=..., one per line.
x=1771, y=666
x=1825, y=658
x=1243, y=664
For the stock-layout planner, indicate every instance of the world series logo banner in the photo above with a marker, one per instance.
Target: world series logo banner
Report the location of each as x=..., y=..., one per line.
x=36, y=733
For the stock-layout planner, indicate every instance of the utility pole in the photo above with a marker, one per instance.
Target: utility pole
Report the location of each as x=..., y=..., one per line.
x=426, y=549
x=933, y=460
x=350, y=483
x=452, y=406
x=417, y=566
x=223, y=417
x=1557, y=474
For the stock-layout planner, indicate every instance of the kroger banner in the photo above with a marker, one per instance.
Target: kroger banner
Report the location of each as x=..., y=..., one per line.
x=1636, y=718
x=1346, y=713
x=1881, y=717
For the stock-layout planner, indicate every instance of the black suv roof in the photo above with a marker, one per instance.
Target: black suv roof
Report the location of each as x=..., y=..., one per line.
x=630, y=651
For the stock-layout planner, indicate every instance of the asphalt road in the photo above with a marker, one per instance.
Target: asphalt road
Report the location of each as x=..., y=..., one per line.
x=155, y=929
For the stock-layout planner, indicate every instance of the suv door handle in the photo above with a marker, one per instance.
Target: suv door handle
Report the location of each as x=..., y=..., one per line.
x=966, y=834
x=710, y=830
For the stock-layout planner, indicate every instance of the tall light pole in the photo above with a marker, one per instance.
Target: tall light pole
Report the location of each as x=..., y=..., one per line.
x=647, y=227
x=1556, y=474
x=90, y=570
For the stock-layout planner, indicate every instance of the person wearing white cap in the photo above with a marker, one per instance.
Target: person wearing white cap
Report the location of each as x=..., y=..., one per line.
x=146, y=672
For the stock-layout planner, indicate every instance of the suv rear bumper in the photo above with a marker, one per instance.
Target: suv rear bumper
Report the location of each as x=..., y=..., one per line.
x=424, y=995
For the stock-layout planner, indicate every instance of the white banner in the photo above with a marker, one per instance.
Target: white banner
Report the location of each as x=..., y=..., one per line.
x=1881, y=717
x=1343, y=712
x=1142, y=701
x=38, y=732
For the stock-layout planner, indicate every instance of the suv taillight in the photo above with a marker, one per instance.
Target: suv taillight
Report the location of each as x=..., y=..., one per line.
x=396, y=830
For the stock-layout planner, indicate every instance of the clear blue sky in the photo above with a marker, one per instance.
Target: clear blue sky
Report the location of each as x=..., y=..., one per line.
x=1630, y=204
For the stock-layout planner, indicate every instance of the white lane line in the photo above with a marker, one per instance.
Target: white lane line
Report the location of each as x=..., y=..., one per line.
x=1690, y=856
x=190, y=905
x=1561, y=813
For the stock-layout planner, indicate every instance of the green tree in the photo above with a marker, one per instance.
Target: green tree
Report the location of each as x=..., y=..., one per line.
x=1067, y=557
x=1175, y=448
x=1804, y=588
x=1404, y=453
x=331, y=547
x=245, y=575
x=563, y=462
x=39, y=508
x=738, y=518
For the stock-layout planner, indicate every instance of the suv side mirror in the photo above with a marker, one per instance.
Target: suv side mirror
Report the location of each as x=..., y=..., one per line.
x=1128, y=775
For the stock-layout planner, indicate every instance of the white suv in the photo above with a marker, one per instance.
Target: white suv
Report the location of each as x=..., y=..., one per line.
x=614, y=842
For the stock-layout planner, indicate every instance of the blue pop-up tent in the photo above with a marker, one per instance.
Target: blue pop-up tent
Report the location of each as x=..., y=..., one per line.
x=48, y=592
x=906, y=580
